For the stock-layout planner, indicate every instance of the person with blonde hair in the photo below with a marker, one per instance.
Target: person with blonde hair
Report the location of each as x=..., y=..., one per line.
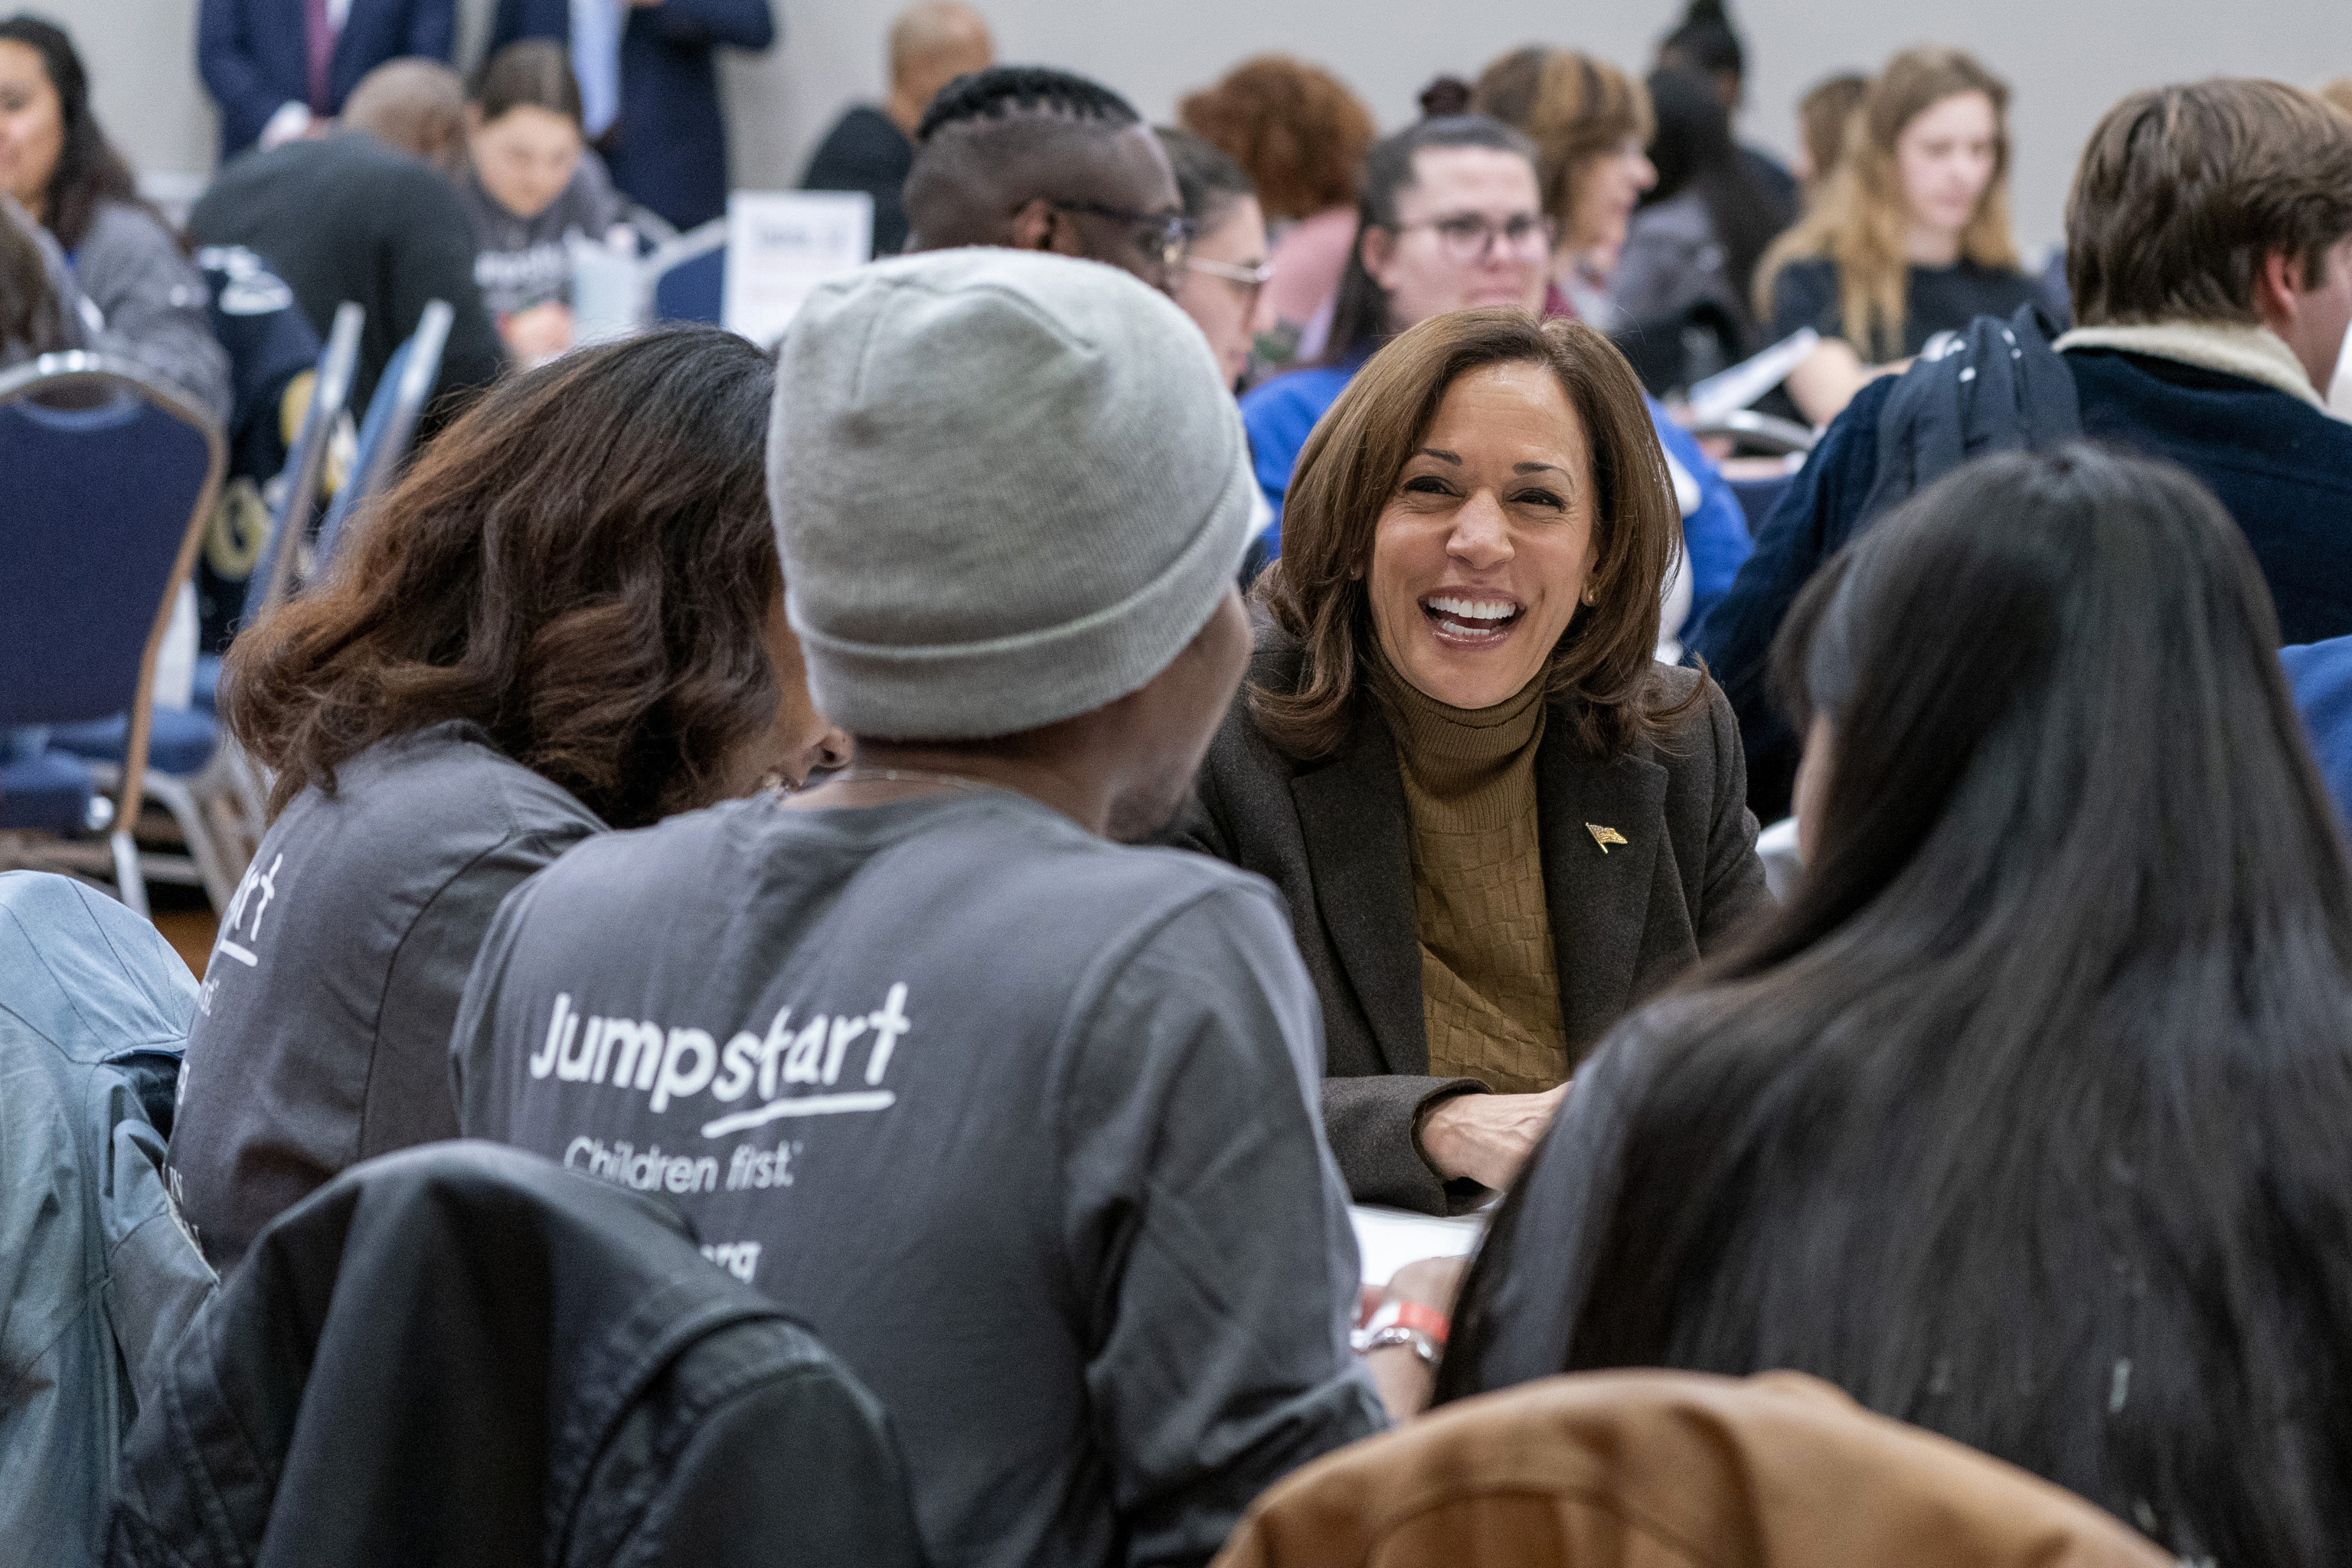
x=1592, y=125
x=1911, y=236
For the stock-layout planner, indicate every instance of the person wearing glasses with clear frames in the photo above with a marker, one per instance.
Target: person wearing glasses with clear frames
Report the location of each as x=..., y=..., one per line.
x=1220, y=281
x=1450, y=218
x=1036, y=159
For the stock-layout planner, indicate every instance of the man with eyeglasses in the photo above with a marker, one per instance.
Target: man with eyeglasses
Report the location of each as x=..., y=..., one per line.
x=1037, y=158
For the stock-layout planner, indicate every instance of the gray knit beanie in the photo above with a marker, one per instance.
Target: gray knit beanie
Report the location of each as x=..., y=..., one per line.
x=1009, y=487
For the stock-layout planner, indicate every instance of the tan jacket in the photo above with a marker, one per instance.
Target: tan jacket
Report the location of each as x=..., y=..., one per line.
x=1671, y=1469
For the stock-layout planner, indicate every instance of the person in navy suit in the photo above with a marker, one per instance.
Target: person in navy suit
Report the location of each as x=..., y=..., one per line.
x=649, y=88
x=275, y=66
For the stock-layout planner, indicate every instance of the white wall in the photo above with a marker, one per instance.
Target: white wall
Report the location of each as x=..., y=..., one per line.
x=2067, y=59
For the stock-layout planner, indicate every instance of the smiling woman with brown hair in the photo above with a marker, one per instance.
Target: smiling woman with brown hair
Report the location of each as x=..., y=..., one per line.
x=1497, y=821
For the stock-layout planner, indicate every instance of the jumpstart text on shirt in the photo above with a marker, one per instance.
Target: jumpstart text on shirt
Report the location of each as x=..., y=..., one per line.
x=673, y=1063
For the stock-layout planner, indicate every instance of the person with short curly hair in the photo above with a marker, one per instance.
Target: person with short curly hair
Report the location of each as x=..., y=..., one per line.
x=568, y=617
x=1301, y=136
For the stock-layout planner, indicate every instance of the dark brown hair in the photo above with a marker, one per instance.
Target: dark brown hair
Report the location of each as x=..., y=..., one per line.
x=2182, y=191
x=1361, y=310
x=583, y=564
x=533, y=74
x=89, y=171
x=1318, y=592
x=1572, y=107
x=2045, y=1064
x=32, y=317
x=1295, y=127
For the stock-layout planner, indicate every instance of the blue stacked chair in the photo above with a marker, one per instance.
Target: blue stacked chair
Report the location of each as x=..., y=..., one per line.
x=111, y=478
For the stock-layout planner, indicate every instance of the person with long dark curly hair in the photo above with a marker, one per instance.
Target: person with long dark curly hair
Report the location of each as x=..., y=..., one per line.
x=568, y=617
x=1300, y=135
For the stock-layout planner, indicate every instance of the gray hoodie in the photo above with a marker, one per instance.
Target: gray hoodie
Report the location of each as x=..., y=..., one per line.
x=150, y=304
x=519, y=262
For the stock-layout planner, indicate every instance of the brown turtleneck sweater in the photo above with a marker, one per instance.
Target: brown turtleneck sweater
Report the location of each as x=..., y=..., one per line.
x=1490, y=983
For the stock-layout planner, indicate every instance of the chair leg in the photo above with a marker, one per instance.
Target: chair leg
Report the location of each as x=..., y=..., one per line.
x=252, y=799
x=130, y=883
x=203, y=846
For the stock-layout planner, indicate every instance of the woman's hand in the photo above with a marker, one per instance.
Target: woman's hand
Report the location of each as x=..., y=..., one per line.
x=1487, y=1137
x=1827, y=379
x=539, y=333
x=1404, y=1382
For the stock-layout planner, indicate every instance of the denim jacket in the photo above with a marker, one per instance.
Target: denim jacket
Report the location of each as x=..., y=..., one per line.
x=99, y=1276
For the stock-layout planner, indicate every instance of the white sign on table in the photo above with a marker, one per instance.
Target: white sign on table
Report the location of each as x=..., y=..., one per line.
x=780, y=245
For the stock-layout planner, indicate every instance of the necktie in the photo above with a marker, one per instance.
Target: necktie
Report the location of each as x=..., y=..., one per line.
x=319, y=32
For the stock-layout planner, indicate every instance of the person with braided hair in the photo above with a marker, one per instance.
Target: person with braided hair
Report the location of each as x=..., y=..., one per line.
x=1037, y=158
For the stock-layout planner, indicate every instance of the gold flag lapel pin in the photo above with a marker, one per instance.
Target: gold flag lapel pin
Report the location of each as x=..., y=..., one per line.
x=1604, y=836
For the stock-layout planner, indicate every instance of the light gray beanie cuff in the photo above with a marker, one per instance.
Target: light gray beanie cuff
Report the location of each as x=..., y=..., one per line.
x=1036, y=678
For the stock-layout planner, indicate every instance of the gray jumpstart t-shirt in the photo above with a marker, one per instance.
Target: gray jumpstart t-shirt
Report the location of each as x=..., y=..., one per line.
x=1020, y=1121
x=322, y=1027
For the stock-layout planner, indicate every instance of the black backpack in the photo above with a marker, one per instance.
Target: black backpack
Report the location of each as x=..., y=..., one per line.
x=465, y=1356
x=1996, y=387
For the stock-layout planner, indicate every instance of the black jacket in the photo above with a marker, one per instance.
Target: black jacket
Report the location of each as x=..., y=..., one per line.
x=2281, y=467
x=464, y=1355
x=348, y=217
x=1335, y=839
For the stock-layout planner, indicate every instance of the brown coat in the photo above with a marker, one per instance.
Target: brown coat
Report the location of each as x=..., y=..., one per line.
x=1334, y=837
x=1672, y=1470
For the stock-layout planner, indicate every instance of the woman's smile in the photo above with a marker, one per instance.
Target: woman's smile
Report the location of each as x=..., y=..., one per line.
x=1471, y=623
x=1482, y=553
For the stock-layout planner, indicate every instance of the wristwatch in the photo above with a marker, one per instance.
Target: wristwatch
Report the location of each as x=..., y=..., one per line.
x=1409, y=1323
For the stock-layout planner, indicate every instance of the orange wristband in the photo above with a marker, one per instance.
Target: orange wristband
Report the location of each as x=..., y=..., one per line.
x=1411, y=1315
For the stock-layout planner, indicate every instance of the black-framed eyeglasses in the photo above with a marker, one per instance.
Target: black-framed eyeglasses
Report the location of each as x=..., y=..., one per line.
x=1470, y=237
x=1164, y=235
x=1247, y=281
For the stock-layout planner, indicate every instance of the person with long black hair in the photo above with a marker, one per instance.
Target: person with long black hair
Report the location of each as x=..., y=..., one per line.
x=1700, y=230
x=56, y=161
x=2024, y=1120
x=1707, y=43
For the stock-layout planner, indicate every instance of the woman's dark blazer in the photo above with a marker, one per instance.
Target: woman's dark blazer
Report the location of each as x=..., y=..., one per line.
x=1626, y=917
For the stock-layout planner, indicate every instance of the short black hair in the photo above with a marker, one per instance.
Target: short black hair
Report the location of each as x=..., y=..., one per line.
x=993, y=93
x=1706, y=42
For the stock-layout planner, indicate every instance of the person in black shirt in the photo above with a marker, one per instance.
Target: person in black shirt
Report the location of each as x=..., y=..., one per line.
x=871, y=149
x=1706, y=45
x=366, y=215
x=1910, y=239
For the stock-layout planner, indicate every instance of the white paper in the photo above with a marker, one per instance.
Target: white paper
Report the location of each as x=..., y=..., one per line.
x=1389, y=1238
x=1751, y=379
x=780, y=245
